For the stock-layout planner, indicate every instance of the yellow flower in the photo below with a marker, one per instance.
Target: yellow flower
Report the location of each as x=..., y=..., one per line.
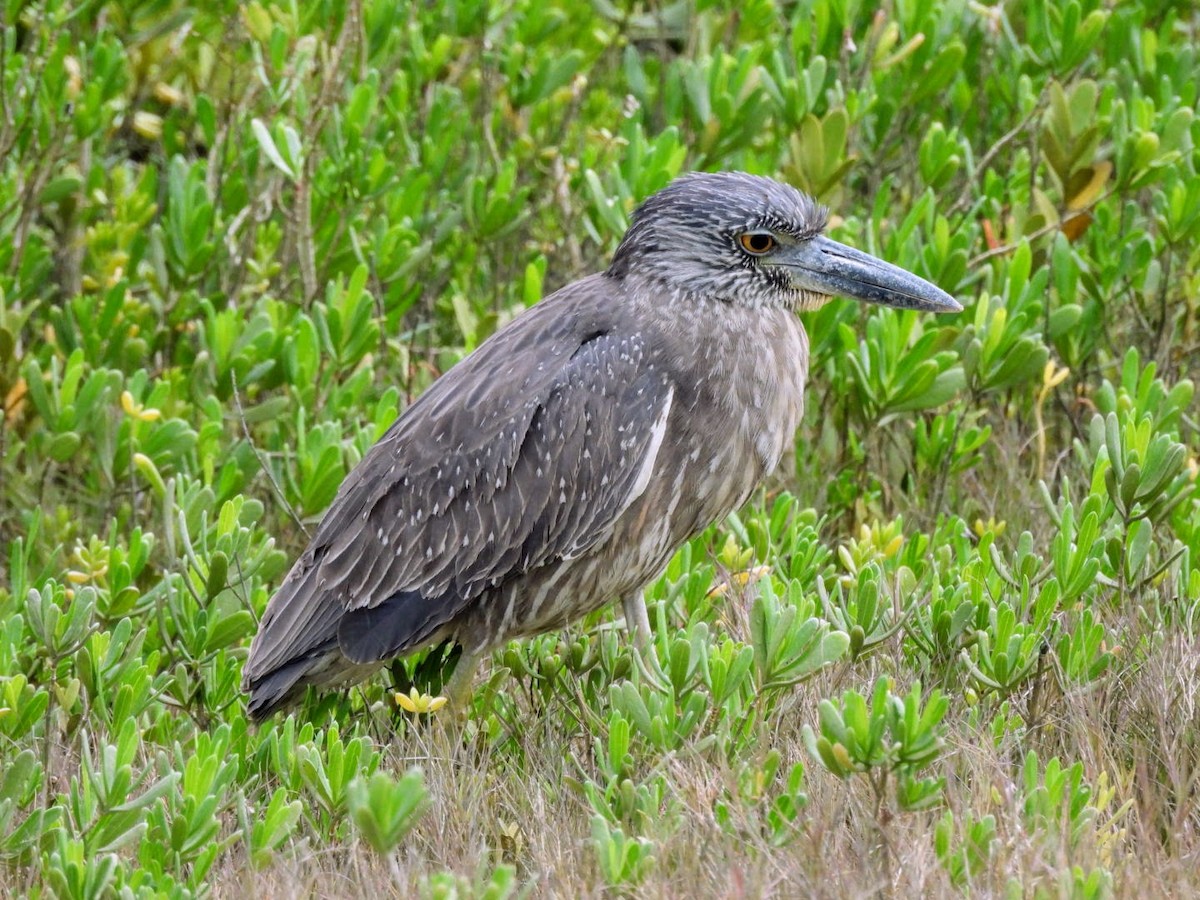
x=981, y=527
x=739, y=579
x=1052, y=377
x=417, y=703
x=732, y=556
x=137, y=411
x=148, y=125
x=168, y=94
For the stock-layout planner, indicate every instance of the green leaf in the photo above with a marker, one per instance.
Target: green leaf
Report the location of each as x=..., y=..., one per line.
x=228, y=630
x=267, y=143
x=63, y=447
x=385, y=810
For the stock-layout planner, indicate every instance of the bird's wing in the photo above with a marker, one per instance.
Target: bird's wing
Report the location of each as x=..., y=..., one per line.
x=525, y=453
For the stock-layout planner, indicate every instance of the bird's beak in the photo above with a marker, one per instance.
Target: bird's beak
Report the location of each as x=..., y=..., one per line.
x=824, y=266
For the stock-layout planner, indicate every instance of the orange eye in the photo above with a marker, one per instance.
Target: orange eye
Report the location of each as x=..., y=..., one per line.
x=757, y=242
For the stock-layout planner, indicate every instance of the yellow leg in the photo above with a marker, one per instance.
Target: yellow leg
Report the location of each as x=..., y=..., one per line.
x=458, y=689
x=637, y=620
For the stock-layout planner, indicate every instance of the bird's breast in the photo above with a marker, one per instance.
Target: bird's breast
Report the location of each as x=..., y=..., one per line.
x=750, y=375
x=738, y=398
x=739, y=401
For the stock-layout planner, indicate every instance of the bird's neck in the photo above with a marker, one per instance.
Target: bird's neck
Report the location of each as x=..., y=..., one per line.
x=748, y=364
x=717, y=293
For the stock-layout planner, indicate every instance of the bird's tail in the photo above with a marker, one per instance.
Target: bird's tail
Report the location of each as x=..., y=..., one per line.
x=279, y=687
x=296, y=644
x=283, y=686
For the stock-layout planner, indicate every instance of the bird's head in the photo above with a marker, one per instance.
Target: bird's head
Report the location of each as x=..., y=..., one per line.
x=746, y=239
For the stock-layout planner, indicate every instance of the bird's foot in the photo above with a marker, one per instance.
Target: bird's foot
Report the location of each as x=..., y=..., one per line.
x=645, y=660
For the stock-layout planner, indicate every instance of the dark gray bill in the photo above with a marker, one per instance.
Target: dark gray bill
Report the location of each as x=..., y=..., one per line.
x=827, y=267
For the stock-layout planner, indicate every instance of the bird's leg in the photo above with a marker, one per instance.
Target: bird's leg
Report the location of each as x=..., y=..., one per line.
x=637, y=620
x=457, y=690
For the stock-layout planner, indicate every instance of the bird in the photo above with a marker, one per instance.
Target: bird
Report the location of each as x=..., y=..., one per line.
x=557, y=468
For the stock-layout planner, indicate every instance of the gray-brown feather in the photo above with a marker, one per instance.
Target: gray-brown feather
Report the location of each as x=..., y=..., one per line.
x=559, y=466
x=460, y=497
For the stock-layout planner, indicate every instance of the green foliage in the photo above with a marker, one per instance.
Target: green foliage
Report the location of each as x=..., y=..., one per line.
x=623, y=860
x=385, y=809
x=964, y=849
x=787, y=647
x=891, y=739
x=240, y=238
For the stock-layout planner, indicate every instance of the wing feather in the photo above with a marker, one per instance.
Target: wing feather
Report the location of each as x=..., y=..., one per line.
x=525, y=453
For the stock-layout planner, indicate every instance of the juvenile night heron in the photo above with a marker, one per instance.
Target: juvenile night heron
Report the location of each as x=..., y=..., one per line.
x=560, y=465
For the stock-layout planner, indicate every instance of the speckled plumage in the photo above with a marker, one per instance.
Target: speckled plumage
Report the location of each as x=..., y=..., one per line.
x=558, y=467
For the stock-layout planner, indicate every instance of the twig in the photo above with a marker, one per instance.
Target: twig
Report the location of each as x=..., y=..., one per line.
x=563, y=198
x=939, y=494
x=1041, y=232
x=1163, y=352
x=6, y=120
x=306, y=251
x=262, y=462
x=990, y=153
x=26, y=197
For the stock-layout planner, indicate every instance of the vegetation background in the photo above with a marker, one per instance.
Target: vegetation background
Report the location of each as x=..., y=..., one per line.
x=955, y=648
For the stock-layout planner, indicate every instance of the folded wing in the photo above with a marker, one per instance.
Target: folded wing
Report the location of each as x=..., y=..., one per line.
x=524, y=454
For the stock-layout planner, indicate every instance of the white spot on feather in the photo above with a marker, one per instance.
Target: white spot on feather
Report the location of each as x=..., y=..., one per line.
x=657, y=433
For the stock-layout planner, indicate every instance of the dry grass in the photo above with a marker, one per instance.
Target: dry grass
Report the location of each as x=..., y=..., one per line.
x=1138, y=731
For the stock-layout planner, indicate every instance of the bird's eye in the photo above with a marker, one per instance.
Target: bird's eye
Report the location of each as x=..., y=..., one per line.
x=757, y=242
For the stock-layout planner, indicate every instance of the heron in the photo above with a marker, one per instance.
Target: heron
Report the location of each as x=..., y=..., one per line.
x=557, y=468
